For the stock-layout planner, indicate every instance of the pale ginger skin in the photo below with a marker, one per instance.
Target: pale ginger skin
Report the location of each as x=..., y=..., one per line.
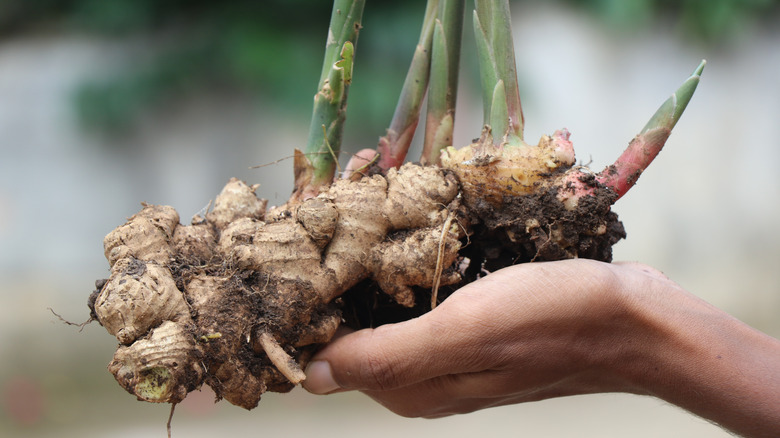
x=491, y=172
x=241, y=288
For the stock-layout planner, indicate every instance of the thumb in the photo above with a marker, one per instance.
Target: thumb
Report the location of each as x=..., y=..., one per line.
x=384, y=358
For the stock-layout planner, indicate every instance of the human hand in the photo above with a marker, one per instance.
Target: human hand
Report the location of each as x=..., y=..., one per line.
x=541, y=330
x=524, y=333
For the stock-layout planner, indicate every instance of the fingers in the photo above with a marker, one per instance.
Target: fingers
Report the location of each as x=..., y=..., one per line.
x=369, y=359
x=463, y=393
x=393, y=356
x=482, y=327
x=518, y=333
x=439, y=397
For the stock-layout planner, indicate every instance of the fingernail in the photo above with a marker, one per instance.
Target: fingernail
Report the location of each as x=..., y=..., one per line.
x=319, y=378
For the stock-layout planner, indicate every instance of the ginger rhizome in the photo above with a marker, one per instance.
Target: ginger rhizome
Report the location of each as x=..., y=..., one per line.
x=242, y=298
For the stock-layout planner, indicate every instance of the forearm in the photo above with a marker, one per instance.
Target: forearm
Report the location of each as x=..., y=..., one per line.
x=709, y=363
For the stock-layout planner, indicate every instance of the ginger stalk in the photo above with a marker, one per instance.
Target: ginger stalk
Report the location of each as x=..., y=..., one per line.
x=500, y=92
x=445, y=59
x=315, y=168
x=622, y=175
x=394, y=145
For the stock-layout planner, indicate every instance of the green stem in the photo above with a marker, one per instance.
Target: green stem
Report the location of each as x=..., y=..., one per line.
x=319, y=160
x=622, y=175
x=394, y=146
x=445, y=60
x=495, y=48
x=670, y=111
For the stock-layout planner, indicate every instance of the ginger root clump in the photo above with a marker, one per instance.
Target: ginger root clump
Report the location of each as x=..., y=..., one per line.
x=241, y=299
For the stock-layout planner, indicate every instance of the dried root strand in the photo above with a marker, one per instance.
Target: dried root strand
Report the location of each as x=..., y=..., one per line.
x=440, y=261
x=170, y=419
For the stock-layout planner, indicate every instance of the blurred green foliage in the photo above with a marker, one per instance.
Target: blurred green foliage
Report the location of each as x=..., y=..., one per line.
x=274, y=47
x=711, y=21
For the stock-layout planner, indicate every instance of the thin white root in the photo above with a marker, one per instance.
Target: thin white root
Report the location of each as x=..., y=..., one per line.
x=283, y=361
x=439, y=262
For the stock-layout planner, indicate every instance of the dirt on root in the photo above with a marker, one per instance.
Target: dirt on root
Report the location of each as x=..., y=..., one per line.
x=538, y=227
x=522, y=229
x=242, y=305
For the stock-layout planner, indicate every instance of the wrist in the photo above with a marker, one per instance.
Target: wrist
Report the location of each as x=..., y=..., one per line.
x=621, y=351
x=695, y=356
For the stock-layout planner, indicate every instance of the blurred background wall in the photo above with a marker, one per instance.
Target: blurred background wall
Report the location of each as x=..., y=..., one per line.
x=104, y=104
